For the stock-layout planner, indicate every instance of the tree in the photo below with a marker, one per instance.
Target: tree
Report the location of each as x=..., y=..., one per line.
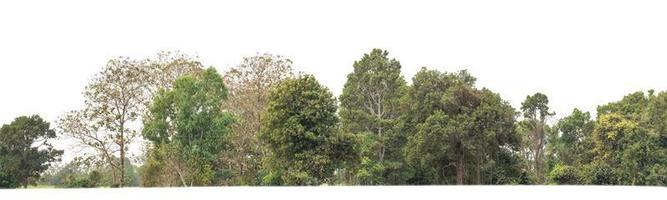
x=535, y=112
x=568, y=147
x=249, y=84
x=115, y=99
x=301, y=130
x=163, y=69
x=25, y=151
x=459, y=129
x=628, y=141
x=188, y=122
x=370, y=105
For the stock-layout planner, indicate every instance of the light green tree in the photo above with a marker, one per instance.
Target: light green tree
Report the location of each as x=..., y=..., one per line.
x=187, y=122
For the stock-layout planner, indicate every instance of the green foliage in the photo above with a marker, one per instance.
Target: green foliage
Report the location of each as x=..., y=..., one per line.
x=459, y=128
x=6, y=181
x=535, y=132
x=370, y=105
x=25, y=151
x=188, y=122
x=568, y=143
x=301, y=131
x=564, y=175
x=622, y=147
x=599, y=173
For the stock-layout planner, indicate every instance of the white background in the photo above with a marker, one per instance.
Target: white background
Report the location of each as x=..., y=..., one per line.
x=348, y=193
x=580, y=53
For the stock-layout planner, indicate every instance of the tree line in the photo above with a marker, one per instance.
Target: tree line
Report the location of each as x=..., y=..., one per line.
x=262, y=123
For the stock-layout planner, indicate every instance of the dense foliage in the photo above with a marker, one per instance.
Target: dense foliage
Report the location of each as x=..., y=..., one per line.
x=25, y=151
x=261, y=123
x=188, y=128
x=302, y=133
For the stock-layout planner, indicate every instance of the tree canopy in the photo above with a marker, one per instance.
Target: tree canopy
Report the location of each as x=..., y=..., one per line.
x=26, y=150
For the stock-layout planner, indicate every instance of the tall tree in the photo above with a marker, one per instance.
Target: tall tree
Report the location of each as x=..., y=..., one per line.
x=249, y=84
x=25, y=150
x=301, y=130
x=421, y=101
x=115, y=99
x=370, y=104
x=188, y=122
x=536, y=112
x=459, y=130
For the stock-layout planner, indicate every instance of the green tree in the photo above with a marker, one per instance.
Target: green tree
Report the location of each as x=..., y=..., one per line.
x=568, y=147
x=25, y=151
x=370, y=107
x=189, y=123
x=628, y=141
x=301, y=130
x=115, y=99
x=460, y=131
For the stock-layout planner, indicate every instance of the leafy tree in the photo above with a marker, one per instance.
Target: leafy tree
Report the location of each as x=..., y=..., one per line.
x=370, y=106
x=188, y=121
x=25, y=151
x=301, y=130
x=459, y=129
x=628, y=140
x=249, y=85
x=571, y=130
x=535, y=112
x=568, y=148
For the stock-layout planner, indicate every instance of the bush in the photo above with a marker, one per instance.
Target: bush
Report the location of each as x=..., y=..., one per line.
x=564, y=175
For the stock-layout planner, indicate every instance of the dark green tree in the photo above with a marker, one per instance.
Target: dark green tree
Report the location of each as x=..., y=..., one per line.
x=25, y=151
x=301, y=130
x=462, y=135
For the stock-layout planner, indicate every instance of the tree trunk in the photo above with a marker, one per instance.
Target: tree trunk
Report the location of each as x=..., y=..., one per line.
x=460, y=166
x=381, y=153
x=122, y=158
x=478, y=172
